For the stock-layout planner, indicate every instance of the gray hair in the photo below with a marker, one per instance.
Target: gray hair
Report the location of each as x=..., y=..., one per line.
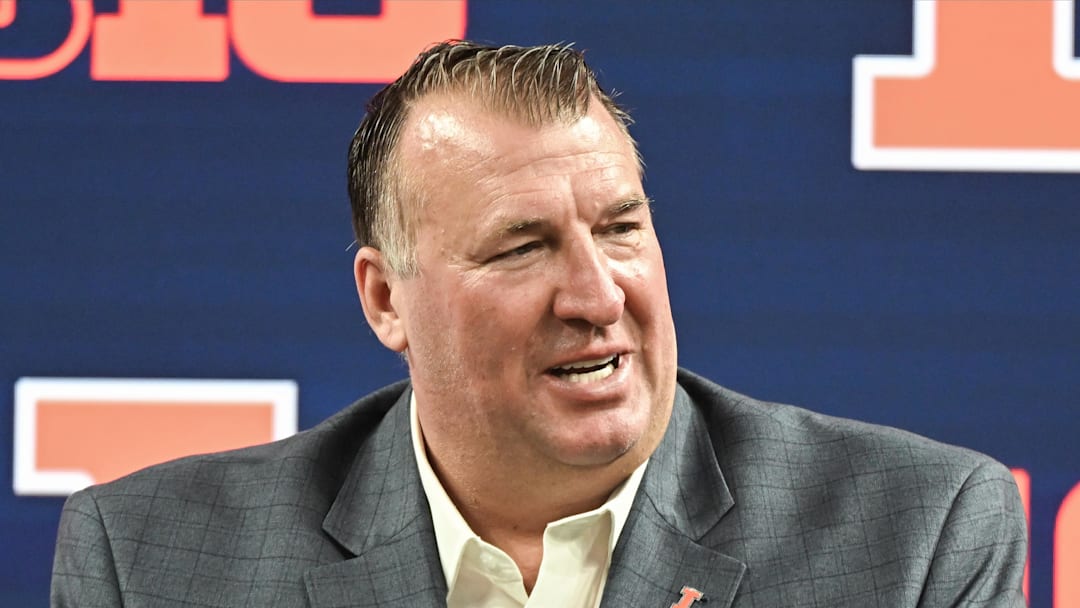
x=536, y=85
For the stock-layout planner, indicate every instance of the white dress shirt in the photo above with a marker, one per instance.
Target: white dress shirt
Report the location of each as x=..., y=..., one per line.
x=577, y=549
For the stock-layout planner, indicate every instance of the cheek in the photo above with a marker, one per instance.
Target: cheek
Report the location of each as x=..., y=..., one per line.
x=505, y=320
x=645, y=284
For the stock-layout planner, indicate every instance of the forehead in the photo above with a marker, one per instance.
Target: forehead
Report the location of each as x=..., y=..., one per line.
x=461, y=126
x=453, y=137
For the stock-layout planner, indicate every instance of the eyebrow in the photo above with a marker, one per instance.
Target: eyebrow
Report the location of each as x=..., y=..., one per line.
x=627, y=206
x=536, y=224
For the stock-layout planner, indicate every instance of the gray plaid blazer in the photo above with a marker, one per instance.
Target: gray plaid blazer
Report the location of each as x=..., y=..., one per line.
x=754, y=504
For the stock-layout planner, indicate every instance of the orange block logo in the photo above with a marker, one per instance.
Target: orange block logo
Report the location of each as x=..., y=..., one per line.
x=71, y=432
x=993, y=85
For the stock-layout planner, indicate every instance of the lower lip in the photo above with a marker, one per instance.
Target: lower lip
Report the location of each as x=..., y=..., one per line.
x=612, y=387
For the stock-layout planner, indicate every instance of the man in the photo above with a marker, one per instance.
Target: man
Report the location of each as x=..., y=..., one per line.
x=546, y=450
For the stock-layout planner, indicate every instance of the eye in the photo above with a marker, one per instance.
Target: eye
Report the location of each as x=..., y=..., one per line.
x=622, y=228
x=519, y=251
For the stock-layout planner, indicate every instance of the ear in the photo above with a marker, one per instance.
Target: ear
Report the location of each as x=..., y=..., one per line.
x=374, y=283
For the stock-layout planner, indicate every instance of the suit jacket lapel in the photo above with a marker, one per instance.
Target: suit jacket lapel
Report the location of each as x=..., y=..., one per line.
x=683, y=495
x=381, y=517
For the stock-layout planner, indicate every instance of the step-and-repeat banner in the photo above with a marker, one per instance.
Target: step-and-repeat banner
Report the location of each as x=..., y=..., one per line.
x=871, y=209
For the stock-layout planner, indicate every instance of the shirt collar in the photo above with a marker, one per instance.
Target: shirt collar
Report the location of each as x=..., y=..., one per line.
x=452, y=532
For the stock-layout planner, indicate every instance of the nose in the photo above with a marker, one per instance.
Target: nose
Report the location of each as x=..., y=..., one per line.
x=587, y=289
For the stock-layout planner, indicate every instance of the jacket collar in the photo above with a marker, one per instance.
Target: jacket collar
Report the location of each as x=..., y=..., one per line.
x=381, y=517
x=682, y=497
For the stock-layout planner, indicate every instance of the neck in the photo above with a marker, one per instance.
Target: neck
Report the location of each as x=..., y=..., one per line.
x=502, y=489
x=512, y=511
x=513, y=501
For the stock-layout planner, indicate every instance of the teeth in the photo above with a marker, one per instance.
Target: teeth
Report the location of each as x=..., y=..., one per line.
x=593, y=376
x=584, y=364
x=598, y=369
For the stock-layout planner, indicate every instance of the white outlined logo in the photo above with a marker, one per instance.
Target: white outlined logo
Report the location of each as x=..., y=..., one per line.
x=74, y=432
x=991, y=86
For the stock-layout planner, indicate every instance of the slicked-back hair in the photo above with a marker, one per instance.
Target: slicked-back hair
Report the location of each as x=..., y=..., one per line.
x=536, y=86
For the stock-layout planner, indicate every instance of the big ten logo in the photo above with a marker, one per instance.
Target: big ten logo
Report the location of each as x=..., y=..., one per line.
x=992, y=85
x=176, y=40
x=74, y=432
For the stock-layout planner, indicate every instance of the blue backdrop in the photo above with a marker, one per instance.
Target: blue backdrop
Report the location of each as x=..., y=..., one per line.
x=180, y=229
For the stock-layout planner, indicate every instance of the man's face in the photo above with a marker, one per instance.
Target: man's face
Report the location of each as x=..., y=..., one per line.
x=538, y=328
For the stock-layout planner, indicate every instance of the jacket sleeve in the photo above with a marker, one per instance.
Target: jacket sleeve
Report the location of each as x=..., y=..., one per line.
x=84, y=573
x=982, y=548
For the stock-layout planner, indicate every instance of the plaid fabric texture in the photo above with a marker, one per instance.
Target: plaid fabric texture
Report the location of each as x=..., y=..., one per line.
x=754, y=504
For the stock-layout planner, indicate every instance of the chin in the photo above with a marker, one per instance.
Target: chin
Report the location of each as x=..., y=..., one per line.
x=599, y=454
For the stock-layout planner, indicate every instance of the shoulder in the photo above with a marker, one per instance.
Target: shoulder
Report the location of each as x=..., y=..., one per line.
x=792, y=459
x=935, y=521
x=743, y=428
x=147, y=534
x=277, y=472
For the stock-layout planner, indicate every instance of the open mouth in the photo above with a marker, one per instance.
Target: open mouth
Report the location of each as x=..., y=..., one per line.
x=587, y=371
